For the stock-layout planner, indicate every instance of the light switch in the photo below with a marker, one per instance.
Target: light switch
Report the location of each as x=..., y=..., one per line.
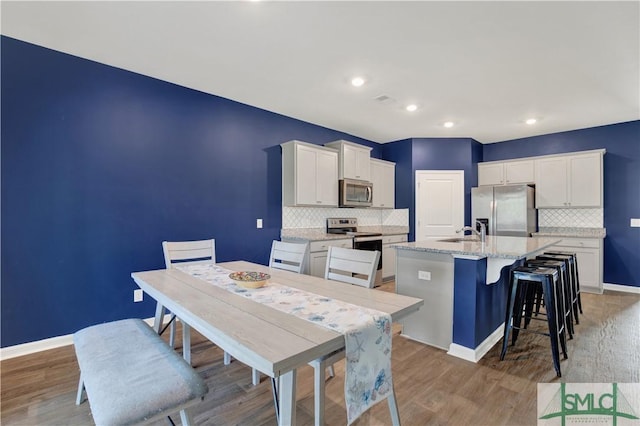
x=424, y=275
x=259, y=223
x=635, y=223
x=137, y=295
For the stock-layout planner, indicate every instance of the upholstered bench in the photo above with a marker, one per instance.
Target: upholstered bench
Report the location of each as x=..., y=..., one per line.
x=132, y=376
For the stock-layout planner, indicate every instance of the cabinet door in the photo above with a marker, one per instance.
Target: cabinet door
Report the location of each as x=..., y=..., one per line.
x=585, y=182
x=551, y=182
x=384, y=184
x=519, y=172
x=356, y=163
x=317, y=263
x=490, y=174
x=326, y=179
x=589, y=270
x=306, y=175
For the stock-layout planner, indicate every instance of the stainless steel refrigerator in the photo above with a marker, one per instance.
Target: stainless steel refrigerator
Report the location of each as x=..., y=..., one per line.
x=507, y=210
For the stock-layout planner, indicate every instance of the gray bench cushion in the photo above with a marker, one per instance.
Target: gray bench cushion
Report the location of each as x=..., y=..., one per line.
x=131, y=375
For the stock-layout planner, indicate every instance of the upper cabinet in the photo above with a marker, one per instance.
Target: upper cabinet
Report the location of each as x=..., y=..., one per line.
x=383, y=177
x=354, y=160
x=309, y=175
x=569, y=181
x=506, y=172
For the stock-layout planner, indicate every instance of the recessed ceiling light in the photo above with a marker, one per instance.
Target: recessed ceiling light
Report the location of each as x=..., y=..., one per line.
x=357, y=81
x=448, y=124
x=531, y=121
x=411, y=107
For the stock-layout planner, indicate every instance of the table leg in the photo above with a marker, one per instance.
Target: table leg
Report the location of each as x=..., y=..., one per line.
x=287, y=395
x=186, y=342
x=319, y=367
x=157, y=322
x=393, y=407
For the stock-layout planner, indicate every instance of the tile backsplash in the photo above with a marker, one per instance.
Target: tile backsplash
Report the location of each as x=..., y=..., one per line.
x=315, y=217
x=578, y=218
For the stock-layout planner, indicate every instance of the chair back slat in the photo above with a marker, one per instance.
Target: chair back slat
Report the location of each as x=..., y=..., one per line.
x=352, y=266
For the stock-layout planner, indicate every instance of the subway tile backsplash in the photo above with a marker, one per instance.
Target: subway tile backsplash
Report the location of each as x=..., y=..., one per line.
x=315, y=217
x=578, y=218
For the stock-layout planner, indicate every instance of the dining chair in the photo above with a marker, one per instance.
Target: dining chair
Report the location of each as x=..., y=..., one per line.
x=185, y=253
x=288, y=256
x=350, y=266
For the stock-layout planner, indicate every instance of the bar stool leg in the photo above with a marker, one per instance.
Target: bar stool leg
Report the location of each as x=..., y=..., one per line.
x=513, y=287
x=552, y=322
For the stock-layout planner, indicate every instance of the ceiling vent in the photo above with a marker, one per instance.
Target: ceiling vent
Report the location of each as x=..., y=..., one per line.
x=384, y=100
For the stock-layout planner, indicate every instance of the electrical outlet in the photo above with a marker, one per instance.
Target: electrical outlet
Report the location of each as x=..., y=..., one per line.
x=424, y=275
x=635, y=223
x=259, y=223
x=137, y=295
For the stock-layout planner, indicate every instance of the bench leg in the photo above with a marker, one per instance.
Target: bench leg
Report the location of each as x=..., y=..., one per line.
x=80, y=390
x=185, y=418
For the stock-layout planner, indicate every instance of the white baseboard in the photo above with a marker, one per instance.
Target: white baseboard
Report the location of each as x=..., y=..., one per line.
x=475, y=355
x=622, y=288
x=46, y=344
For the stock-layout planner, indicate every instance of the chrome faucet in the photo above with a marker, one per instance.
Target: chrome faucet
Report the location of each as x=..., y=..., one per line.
x=482, y=234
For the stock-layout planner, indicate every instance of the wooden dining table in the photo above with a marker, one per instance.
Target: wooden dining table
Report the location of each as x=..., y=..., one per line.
x=269, y=340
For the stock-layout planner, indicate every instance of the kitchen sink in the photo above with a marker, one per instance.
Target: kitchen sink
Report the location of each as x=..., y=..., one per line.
x=461, y=240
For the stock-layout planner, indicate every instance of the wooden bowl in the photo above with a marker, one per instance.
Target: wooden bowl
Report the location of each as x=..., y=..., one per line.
x=250, y=279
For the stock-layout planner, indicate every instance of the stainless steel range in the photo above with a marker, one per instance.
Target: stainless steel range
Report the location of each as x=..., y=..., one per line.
x=361, y=240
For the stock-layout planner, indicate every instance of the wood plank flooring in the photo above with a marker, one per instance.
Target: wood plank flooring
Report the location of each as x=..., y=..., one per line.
x=432, y=387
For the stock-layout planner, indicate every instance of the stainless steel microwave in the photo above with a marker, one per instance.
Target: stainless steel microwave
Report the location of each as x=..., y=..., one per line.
x=355, y=193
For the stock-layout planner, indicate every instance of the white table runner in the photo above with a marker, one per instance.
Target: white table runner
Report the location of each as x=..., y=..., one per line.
x=367, y=332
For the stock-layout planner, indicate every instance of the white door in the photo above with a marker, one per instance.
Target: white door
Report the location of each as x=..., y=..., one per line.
x=439, y=203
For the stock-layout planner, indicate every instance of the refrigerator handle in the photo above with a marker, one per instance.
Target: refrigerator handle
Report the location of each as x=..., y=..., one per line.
x=494, y=217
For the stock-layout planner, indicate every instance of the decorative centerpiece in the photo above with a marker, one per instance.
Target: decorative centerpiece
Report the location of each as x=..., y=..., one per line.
x=249, y=279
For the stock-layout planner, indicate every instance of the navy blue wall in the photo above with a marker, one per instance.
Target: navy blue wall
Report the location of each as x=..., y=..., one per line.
x=415, y=154
x=621, y=186
x=100, y=165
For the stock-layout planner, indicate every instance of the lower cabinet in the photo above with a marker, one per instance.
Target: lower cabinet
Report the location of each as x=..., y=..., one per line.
x=318, y=254
x=590, y=261
x=389, y=255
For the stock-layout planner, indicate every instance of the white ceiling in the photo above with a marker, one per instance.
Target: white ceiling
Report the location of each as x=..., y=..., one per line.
x=487, y=66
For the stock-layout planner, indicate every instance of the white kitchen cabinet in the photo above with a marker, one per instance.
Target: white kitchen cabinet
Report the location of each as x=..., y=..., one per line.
x=309, y=175
x=569, y=181
x=383, y=177
x=318, y=254
x=354, y=160
x=590, y=261
x=506, y=173
x=389, y=255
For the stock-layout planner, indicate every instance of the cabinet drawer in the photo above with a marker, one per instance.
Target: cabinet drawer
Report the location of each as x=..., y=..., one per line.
x=324, y=245
x=579, y=242
x=394, y=239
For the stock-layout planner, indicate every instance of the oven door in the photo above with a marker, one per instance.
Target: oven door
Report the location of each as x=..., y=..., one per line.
x=371, y=244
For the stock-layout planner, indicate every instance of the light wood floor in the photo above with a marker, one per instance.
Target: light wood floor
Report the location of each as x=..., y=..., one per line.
x=432, y=387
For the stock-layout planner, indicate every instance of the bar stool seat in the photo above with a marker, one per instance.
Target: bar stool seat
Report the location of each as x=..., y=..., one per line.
x=535, y=297
x=574, y=257
x=575, y=289
x=551, y=289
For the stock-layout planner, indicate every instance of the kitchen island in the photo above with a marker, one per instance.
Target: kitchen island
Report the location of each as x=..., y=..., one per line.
x=463, y=283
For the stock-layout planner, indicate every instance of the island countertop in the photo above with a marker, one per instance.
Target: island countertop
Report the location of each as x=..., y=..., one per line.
x=494, y=247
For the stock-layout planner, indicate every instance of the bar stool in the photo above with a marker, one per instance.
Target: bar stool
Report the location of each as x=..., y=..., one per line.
x=574, y=256
x=549, y=281
x=535, y=297
x=575, y=290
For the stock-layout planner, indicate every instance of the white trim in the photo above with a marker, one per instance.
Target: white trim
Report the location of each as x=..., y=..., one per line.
x=46, y=344
x=475, y=355
x=622, y=288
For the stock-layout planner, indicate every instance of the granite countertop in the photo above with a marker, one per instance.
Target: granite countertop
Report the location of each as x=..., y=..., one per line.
x=494, y=247
x=571, y=232
x=320, y=234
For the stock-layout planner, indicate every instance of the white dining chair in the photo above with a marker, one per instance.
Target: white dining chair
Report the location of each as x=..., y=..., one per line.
x=350, y=266
x=288, y=256
x=185, y=253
